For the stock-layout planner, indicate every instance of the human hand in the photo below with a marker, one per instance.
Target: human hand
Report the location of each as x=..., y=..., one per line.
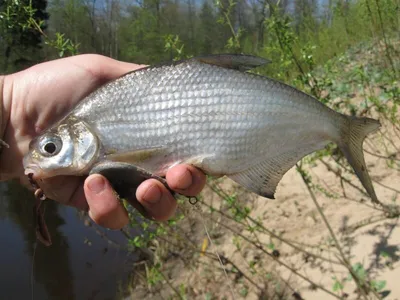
x=37, y=97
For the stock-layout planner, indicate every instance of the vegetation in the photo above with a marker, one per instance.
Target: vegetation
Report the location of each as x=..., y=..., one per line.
x=345, y=53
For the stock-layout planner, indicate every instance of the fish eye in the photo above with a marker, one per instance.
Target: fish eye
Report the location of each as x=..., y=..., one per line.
x=50, y=148
x=50, y=145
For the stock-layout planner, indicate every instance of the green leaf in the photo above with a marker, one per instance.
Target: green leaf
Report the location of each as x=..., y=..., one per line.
x=271, y=246
x=378, y=285
x=384, y=254
x=360, y=272
x=337, y=286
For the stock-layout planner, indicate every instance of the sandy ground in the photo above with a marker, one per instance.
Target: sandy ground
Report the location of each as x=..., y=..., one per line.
x=364, y=245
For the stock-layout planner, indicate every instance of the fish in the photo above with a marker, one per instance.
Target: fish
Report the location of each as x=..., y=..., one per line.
x=208, y=111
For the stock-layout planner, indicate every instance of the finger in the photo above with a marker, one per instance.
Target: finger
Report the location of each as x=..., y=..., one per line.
x=102, y=67
x=186, y=180
x=104, y=207
x=156, y=199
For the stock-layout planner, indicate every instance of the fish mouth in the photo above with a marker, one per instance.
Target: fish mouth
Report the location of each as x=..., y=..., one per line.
x=35, y=170
x=31, y=168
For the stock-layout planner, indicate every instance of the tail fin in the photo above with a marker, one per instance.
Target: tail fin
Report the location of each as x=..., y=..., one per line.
x=351, y=144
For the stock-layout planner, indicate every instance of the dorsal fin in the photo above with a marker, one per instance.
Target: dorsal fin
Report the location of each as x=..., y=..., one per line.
x=241, y=62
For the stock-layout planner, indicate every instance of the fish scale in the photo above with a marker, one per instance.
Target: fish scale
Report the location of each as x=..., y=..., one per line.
x=209, y=112
x=232, y=109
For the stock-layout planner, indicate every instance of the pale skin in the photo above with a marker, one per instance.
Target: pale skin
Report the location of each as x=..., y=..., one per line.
x=35, y=98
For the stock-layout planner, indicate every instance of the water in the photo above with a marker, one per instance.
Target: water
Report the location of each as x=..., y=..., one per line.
x=80, y=264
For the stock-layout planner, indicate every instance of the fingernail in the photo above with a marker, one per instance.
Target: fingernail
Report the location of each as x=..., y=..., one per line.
x=185, y=180
x=97, y=184
x=152, y=194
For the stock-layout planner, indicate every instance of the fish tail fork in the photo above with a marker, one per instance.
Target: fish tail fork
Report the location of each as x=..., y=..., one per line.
x=353, y=134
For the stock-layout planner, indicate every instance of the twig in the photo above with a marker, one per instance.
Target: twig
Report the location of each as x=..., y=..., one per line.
x=346, y=262
x=390, y=157
x=338, y=174
x=171, y=286
x=280, y=262
x=268, y=231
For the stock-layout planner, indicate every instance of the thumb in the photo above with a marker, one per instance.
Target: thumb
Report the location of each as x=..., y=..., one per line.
x=104, y=207
x=103, y=67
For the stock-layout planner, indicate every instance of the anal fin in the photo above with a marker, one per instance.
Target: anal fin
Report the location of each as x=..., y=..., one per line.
x=264, y=177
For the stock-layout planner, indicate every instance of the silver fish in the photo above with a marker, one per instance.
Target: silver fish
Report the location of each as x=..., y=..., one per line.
x=205, y=111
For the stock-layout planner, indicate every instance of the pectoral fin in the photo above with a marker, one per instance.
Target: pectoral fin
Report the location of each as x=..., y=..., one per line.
x=136, y=156
x=125, y=179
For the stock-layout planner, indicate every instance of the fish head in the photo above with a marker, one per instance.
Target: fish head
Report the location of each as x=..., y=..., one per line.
x=69, y=148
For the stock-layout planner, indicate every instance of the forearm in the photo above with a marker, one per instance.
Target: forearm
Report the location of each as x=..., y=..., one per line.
x=3, y=120
x=3, y=117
